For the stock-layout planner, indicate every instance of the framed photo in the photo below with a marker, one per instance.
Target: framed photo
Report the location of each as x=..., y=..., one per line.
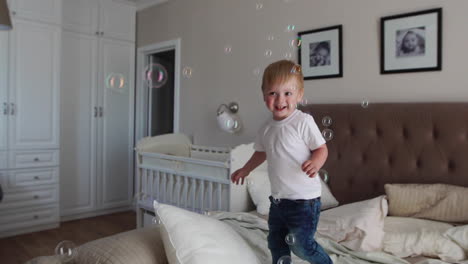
x=411, y=42
x=320, y=53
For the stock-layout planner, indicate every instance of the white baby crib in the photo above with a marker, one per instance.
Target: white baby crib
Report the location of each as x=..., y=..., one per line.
x=171, y=170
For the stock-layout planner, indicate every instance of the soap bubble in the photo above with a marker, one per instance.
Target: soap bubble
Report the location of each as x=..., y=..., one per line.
x=322, y=173
x=297, y=42
x=290, y=239
x=285, y=260
x=290, y=28
x=270, y=37
x=288, y=55
x=227, y=49
x=155, y=75
x=327, y=121
x=206, y=212
x=187, y=72
x=268, y=53
x=115, y=81
x=327, y=134
x=156, y=221
x=66, y=251
x=259, y=6
x=365, y=104
x=304, y=101
x=296, y=69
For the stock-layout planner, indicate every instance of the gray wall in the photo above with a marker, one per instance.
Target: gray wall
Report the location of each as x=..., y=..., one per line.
x=207, y=26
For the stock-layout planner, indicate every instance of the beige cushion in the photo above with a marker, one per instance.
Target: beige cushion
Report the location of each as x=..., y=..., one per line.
x=441, y=202
x=141, y=246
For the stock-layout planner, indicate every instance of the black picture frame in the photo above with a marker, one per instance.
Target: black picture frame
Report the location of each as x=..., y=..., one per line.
x=312, y=54
x=411, y=42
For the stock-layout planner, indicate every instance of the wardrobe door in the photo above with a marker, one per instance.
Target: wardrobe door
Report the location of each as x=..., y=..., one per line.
x=4, y=110
x=81, y=16
x=116, y=84
x=34, y=85
x=47, y=11
x=78, y=124
x=117, y=20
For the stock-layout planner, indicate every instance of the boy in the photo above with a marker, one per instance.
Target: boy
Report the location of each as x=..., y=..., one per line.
x=295, y=150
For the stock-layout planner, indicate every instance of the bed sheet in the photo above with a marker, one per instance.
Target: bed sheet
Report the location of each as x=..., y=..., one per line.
x=253, y=228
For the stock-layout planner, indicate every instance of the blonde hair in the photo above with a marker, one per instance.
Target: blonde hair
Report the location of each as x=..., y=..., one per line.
x=282, y=71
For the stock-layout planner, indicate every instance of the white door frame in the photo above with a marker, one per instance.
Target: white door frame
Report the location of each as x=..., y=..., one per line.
x=141, y=101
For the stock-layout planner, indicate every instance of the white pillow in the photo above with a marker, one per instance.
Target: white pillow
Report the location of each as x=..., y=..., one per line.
x=459, y=234
x=405, y=236
x=241, y=154
x=191, y=238
x=358, y=226
x=259, y=188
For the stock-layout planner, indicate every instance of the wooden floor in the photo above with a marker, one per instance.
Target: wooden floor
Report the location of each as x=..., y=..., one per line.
x=19, y=249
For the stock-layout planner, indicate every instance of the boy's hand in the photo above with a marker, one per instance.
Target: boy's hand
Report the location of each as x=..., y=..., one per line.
x=239, y=175
x=310, y=168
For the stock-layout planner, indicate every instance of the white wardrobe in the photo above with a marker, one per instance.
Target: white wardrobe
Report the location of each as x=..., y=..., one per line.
x=29, y=119
x=97, y=104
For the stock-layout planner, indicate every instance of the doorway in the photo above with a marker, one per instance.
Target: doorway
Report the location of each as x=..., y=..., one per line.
x=161, y=94
x=157, y=108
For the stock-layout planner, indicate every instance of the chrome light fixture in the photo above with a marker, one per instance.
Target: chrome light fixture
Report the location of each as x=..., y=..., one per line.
x=227, y=117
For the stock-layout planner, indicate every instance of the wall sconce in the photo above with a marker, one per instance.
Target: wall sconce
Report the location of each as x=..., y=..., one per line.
x=5, y=22
x=227, y=117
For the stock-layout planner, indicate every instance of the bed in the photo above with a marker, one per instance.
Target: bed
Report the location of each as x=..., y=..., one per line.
x=398, y=184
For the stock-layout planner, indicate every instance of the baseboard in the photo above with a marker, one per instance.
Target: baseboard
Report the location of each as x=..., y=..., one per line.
x=95, y=213
x=28, y=230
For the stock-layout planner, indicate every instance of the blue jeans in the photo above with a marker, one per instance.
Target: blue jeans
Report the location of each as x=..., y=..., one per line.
x=299, y=218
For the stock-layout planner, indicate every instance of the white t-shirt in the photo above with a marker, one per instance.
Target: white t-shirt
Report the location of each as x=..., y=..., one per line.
x=288, y=144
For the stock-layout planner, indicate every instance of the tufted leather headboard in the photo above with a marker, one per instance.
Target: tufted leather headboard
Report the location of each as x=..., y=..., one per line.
x=393, y=143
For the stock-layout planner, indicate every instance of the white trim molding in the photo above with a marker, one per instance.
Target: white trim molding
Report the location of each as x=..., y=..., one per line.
x=141, y=89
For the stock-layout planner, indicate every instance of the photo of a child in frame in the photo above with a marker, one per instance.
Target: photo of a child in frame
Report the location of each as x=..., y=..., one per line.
x=319, y=54
x=410, y=42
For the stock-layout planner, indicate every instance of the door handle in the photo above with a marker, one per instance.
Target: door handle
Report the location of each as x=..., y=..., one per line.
x=12, y=109
x=5, y=109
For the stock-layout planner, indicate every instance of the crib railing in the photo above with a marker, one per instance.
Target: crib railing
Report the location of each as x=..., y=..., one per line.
x=194, y=184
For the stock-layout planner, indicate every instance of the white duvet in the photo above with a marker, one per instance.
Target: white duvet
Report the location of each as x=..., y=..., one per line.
x=254, y=230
